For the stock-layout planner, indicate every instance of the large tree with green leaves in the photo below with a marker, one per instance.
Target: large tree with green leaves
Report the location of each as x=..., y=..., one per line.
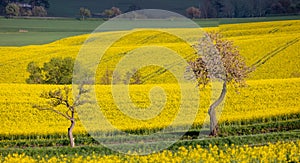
x=56, y=71
x=36, y=75
x=59, y=71
x=220, y=60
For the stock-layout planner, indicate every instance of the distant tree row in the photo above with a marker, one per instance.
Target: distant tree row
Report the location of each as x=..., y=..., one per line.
x=221, y=9
x=201, y=9
x=24, y=7
x=242, y=8
x=14, y=9
x=108, y=13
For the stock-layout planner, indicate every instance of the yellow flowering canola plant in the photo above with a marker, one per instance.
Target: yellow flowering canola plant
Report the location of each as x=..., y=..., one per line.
x=276, y=42
x=278, y=152
x=261, y=101
x=272, y=94
x=276, y=45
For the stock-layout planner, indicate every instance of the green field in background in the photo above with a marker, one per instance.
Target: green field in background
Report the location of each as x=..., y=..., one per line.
x=42, y=31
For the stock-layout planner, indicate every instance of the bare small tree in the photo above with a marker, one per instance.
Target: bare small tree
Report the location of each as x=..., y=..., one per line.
x=61, y=97
x=133, y=77
x=220, y=60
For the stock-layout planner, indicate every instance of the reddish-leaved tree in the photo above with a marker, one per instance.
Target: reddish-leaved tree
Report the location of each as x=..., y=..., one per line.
x=193, y=12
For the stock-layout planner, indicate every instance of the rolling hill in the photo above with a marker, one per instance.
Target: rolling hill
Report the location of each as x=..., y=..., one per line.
x=257, y=123
x=271, y=47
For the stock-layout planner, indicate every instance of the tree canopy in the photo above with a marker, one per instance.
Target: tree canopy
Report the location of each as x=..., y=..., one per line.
x=84, y=12
x=39, y=11
x=56, y=71
x=232, y=68
x=193, y=12
x=114, y=11
x=12, y=9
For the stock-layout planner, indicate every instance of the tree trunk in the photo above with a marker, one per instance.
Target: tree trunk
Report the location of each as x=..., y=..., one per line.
x=70, y=132
x=214, y=128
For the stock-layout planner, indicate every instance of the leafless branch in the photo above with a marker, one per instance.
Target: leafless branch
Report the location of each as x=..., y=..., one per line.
x=82, y=91
x=54, y=110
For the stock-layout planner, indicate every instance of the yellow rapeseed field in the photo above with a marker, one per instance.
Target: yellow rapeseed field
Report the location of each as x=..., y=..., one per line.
x=261, y=101
x=279, y=152
x=272, y=93
x=278, y=40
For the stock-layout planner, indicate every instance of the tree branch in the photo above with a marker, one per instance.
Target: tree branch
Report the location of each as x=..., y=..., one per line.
x=56, y=111
x=77, y=99
x=67, y=104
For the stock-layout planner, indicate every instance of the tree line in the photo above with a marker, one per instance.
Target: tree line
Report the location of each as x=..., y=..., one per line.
x=222, y=9
x=242, y=8
x=107, y=13
x=201, y=9
x=39, y=8
x=24, y=7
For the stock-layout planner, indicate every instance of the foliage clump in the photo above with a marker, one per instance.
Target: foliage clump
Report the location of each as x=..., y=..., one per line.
x=56, y=71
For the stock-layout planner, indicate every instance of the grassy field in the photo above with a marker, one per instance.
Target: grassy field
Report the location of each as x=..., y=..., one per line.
x=36, y=32
x=20, y=32
x=260, y=122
